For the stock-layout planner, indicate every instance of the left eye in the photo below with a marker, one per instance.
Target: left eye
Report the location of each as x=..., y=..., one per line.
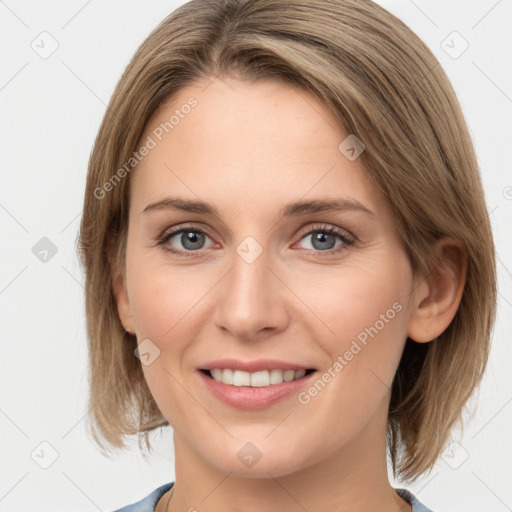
x=325, y=239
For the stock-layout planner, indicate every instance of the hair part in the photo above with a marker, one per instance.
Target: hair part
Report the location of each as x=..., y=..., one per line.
x=387, y=88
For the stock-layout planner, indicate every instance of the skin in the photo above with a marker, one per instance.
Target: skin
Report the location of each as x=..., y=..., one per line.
x=249, y=148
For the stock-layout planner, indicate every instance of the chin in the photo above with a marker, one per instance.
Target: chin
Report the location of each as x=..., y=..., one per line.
x=251, y=461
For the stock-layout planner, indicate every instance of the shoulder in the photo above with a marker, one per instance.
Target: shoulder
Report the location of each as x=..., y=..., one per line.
x=416, y=505
x=148, y=503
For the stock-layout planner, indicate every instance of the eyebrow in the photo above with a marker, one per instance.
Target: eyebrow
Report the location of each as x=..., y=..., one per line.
x=289, y=210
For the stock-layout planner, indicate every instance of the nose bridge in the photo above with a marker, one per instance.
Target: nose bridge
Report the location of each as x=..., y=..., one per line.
x=249, y=300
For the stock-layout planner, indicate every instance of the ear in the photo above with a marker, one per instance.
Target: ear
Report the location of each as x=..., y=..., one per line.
x=438, y=295
x=121, y=296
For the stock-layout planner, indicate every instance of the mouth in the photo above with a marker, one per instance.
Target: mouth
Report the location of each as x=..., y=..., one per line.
x=254, y=384
x=255, y=390
x=262, y=378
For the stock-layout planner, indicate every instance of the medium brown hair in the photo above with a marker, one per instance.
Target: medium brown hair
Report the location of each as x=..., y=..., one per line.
x=385, y=87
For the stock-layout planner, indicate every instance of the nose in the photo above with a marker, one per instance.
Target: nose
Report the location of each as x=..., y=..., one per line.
x=251, y=299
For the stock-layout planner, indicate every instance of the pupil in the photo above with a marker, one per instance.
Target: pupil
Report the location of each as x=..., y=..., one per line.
x=192, y=240
x=321, y=239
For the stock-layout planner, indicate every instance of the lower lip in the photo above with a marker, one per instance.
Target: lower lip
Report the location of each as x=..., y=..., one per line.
x=247, y=397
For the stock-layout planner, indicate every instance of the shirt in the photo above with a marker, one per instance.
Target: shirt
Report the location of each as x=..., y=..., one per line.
x=148, y=503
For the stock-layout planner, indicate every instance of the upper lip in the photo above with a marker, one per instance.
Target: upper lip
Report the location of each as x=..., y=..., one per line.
x=255, y=365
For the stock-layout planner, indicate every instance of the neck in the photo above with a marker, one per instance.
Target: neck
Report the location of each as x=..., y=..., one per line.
x=354, y=477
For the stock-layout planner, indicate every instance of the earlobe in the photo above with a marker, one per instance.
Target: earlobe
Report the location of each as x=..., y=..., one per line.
x=122, y=300
x=438, y=295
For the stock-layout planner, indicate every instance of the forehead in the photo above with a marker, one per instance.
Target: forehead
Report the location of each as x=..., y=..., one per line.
x=246, y=143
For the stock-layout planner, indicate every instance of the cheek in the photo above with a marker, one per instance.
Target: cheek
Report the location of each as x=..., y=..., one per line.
x=344, y=301
x=165, y=302
x=360, y=317
x=165, y=305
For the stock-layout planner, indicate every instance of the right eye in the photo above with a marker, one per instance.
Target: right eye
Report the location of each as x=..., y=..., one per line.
x=191, y=239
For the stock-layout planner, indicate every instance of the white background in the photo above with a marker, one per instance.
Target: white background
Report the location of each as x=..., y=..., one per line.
x=50, y=112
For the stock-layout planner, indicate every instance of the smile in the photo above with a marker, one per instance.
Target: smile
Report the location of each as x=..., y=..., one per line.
x=255, y=379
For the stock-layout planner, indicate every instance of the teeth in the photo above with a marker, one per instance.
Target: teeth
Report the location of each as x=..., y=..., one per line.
x=255, y=379
x=241, y=378
x=276, y=376
x=260, y=379
x=299, y=374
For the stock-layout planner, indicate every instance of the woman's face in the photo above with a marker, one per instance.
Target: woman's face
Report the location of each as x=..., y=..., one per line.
x=264, y=278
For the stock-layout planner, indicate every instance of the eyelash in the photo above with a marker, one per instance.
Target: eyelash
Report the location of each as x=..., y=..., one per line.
x=345, y=237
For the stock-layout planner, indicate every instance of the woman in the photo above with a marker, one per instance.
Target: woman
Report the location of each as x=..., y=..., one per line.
x=288, y=257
